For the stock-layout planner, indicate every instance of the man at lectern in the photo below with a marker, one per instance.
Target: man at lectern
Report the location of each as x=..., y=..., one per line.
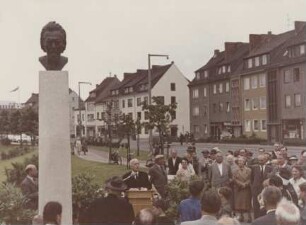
x=135, y=178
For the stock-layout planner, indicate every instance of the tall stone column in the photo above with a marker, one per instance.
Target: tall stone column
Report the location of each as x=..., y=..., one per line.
x=54, y=142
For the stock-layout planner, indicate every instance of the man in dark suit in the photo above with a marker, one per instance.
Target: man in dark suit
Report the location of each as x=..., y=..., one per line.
x=220, y=173
x=29, y=187
x=259, y=173
x=158, y=175
x=135, y=178
x=271, y=196
x=112, y=209
x=173, y=162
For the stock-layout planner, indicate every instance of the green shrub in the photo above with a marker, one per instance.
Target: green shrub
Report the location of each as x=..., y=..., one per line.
x=16, y=174
x=177, y=191
x=84, y=192
x=12, y=203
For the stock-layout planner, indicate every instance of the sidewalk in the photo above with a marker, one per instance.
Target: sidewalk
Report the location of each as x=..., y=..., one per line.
x=101, y=156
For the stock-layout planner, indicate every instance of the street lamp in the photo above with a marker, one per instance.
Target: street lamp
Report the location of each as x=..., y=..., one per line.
x=149, y=90
x=80, y=114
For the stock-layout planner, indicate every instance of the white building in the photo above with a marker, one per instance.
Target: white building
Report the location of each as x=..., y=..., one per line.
x=10, y=105
x=127, y=96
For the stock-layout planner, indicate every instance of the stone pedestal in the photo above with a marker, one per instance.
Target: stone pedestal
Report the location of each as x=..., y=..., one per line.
x=54, y=142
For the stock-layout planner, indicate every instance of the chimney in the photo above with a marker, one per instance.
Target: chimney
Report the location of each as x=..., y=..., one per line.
x=255, y=40
x=269, y=33
x=230, y=48
x=97, y=85
x=216, y=52
x=299, y=25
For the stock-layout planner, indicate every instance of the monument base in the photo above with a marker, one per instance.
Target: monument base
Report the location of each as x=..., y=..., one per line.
x=54, y=142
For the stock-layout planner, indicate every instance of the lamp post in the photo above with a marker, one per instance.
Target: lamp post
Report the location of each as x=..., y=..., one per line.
x=80, y=113
x=149, y=91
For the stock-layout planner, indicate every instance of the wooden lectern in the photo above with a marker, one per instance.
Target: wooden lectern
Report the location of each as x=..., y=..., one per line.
x=140, y=199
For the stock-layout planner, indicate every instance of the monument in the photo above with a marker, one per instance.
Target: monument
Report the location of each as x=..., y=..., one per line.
x=54, y=135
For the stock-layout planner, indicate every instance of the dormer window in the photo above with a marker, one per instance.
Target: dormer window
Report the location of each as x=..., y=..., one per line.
x=264, y=59
x=302, y=49
x=223, y=69
x=250, y=63
x=93, y=95
x=205, y=74
x=228, y=69
x=198, y=75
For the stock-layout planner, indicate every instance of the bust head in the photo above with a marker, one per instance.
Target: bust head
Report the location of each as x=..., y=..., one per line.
x=53, y=42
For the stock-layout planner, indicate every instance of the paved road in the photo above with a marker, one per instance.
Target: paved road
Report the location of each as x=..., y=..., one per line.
x=292, y=150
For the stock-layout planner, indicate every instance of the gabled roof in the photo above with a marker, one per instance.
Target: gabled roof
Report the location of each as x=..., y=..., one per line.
x=140, y=77
x=105, y=93
x=270, y=42
x=33, y=99
x=100, y=88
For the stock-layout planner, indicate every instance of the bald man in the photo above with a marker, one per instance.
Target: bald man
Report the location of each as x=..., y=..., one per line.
x=29, y=186
x=135, y=178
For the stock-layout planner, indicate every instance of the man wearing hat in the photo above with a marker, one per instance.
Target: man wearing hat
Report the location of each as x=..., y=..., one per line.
x=29, y=186
x=204, y=164
x=112, y=209
x=158, y=175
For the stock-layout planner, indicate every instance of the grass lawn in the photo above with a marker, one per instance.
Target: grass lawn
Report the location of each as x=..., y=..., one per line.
x=101, y=171
x=143, y=155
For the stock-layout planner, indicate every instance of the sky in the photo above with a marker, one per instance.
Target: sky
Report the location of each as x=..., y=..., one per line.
x=115, y=36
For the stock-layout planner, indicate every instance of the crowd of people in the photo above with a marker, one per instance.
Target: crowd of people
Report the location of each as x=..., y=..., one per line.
x=225, y=188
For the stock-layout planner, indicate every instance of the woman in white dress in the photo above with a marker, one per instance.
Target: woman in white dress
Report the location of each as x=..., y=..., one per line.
x=185, y=170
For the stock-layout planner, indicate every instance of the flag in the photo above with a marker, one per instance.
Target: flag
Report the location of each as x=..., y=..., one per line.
x=15, y=89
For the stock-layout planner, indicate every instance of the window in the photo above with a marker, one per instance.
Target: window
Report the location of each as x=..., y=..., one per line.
x=214, y=108
x=221, y=107
x=195, y=111
x=255, y=125
x=227, y=87
x=263, y=125
x=146, y=115
x=287, y=76
x=215, y=89
x=195, y=93
x=146, y=100
x=205, y=129
x=198, y=76
x=296, y=74
x=257, y=61
x=287, y=101
x=263, y=102
x=302, y=49
x=138, y=101
x=223, y=69
x=247, y=104
x=250, y=63
x=98, y=115
x=254, y=82
x=205, y=74
x=220, y=88
x=246, y=83
x=173, y=99
x=228, y=107
x=172, y=86
x=205, y=110
x=130, y=102
x=247, y=125
x=90, y=117
x=123, y=103
x=205, y=92
x=139, y=115
x=254, y=103
x=196, y=128
x=264, y=59
x=228, y=69
x=103, y=115
x=297, y=100
x=129, y=115
x=173, y=115
x=262, y=80
x=146, y=130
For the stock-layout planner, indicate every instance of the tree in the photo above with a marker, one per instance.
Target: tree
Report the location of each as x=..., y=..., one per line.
x=4, y=123
x=16, y=126
x=29, y=123
x=159, y=117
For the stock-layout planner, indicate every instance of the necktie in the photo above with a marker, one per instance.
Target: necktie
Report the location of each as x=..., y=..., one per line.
x=262, y=171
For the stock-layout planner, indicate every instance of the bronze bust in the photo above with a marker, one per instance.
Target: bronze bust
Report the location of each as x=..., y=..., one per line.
x=53, y=42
